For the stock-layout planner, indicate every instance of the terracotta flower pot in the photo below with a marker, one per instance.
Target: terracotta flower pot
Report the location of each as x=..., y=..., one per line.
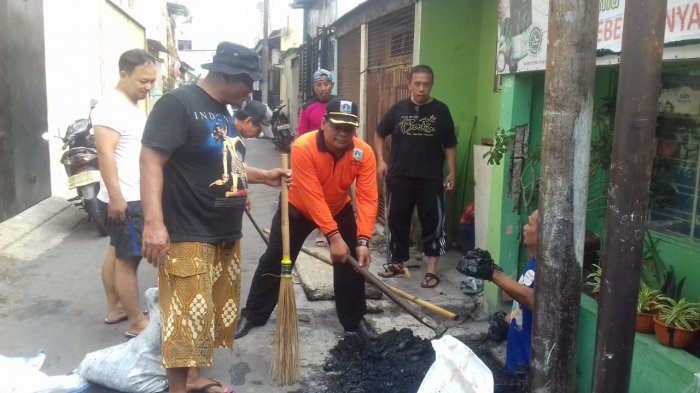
x=645, y=323
x=673, y=337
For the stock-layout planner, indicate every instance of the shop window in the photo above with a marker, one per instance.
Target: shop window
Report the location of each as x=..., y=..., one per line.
x=675, y=183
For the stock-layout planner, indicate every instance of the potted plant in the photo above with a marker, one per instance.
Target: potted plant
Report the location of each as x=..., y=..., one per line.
x=677, y=322
x=593, y=280
x=647, y=304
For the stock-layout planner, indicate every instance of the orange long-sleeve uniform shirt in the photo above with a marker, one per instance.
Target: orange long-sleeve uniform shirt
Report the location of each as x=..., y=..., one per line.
x=321, y=183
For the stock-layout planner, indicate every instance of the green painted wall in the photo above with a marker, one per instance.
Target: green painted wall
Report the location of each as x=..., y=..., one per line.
x=504, y=226
x=458, y=40
x=655, y=368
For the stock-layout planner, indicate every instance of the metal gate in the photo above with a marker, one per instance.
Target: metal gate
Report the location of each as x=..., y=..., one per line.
x=24, y=155
x=349, y=58
x=389, y=58
x=315, y=53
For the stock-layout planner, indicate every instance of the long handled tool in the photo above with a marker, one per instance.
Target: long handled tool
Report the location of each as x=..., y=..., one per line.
x=286, y=359
x=323, y=258
x=439, y=328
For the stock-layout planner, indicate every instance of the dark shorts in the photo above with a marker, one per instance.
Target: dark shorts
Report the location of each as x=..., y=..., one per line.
x=125, y=238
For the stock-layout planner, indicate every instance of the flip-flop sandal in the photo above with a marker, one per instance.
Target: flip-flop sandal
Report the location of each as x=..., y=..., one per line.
x=390, y=270
x=120, y=319
x=214, y=383
x=430, y=277
x=321, y=242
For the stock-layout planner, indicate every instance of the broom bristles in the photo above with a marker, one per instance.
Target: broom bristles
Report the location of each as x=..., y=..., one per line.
x=286, y=358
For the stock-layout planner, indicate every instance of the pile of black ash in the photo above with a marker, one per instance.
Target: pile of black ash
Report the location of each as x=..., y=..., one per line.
x=396, y=362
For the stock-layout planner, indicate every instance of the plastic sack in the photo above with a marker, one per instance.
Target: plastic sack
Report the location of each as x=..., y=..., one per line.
x=134, y=366
x=695, y=388
x=457, y=369
x=22, y=375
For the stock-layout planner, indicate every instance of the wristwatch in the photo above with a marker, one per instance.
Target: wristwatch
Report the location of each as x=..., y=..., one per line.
x=363, y=243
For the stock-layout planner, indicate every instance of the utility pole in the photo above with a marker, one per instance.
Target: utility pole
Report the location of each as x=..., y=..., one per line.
x=265, y=83
x=566, y=138
x=628, y=192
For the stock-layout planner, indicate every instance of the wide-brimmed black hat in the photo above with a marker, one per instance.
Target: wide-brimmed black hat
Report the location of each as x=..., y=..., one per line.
x=235, y=59
x=341, y=110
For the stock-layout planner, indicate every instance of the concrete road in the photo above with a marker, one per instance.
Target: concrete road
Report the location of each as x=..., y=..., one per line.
x=51, y=295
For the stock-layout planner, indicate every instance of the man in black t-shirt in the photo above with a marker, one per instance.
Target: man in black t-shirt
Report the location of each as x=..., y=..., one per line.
x=422, y=139
x=191, y=154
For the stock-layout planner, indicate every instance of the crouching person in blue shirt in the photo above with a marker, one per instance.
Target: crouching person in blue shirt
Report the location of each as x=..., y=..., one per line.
x=478, y=263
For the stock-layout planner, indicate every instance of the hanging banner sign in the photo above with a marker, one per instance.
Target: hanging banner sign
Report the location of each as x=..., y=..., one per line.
x=522, y=30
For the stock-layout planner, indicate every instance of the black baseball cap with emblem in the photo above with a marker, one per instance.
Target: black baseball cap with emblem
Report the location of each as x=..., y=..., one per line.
x=341, y=110
x=235, y=59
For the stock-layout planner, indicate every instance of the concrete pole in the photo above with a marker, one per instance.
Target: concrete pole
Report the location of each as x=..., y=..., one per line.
x=628, y=192
x=566, y=134
x=265, y=84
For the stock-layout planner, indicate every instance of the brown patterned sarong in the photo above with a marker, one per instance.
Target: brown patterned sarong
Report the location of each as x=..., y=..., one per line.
x=199, y=291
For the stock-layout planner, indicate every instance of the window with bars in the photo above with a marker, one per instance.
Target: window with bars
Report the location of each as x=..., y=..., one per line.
x=675, y=182
x=402, y=43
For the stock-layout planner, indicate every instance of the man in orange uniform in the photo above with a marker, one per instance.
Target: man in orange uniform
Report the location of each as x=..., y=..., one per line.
x=325, y=163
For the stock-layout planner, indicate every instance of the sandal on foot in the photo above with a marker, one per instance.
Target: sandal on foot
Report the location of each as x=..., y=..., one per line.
x=214, y=383
x=321, y=242
x=390, y=270
x=115, y=321
x=430, y=280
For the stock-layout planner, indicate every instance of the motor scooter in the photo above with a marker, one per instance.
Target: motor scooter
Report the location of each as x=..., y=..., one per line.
x=82, y=168
x=281, y=130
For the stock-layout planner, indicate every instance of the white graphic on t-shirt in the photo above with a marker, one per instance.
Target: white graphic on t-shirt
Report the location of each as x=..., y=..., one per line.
x=237, y=167
x=516, y=313
x=424, y=126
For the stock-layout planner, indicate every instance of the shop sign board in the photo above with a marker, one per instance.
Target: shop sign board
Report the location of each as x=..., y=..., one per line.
x=522, y=30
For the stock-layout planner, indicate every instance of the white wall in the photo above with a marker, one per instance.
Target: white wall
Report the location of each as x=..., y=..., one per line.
x=83, y=41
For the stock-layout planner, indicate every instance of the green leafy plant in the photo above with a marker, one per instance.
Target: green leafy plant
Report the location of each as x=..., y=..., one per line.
x=679, y=314
x=655, y=273
x=500, y=146
x=648, y=299
x=593, y=279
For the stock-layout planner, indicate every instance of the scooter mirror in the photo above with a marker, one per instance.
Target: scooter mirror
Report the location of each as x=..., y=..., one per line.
x=93, y=102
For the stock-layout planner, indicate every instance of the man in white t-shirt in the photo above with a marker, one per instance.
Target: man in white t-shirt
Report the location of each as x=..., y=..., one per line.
x=118, y=122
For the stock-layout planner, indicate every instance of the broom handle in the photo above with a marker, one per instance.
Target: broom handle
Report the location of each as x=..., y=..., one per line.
x=323, y=258
x=284, y=201
x=421, y=317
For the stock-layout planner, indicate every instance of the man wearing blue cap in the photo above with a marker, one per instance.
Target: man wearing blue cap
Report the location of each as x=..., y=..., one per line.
x=191, y=153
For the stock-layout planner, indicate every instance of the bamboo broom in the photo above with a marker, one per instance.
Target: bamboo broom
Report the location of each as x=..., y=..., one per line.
x=286, y=359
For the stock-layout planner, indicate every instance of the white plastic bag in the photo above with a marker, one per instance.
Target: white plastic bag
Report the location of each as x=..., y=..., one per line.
x=22, y=375
x=134, y=366
x=457, y=369
x=695, y=388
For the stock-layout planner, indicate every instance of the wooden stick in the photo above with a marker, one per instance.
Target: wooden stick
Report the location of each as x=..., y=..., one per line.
x=439, y=328
x=423, y=303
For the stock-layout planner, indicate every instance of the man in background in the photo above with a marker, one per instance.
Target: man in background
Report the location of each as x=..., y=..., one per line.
x=422, y=140
x=118, y=122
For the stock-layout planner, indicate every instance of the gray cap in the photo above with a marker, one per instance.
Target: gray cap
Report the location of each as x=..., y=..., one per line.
x=321, y=73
